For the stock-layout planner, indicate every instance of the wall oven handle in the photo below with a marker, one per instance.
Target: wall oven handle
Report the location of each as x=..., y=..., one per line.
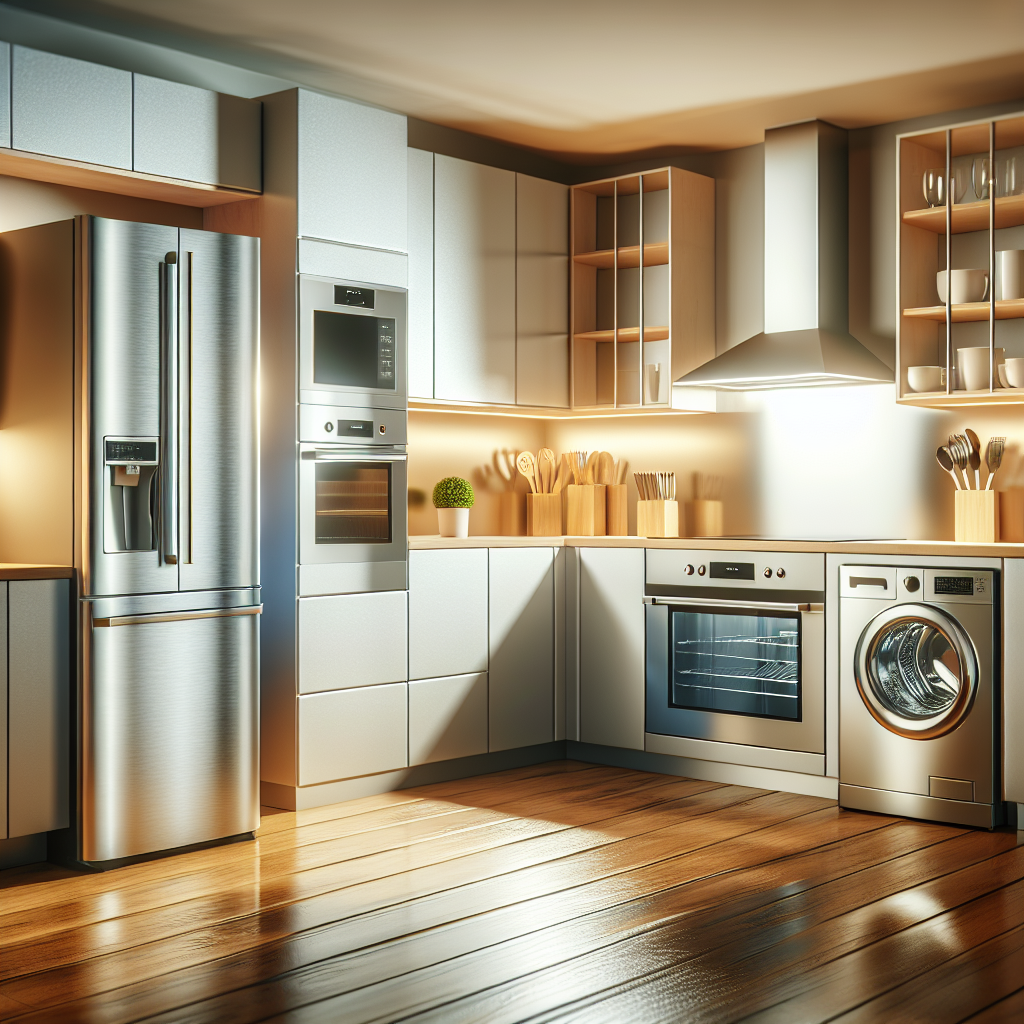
x=355, y=455
x=727, y=605
x=169, y=409
x=205, y=613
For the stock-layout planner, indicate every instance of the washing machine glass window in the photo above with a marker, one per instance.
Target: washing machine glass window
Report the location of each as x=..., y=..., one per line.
x=916, y=671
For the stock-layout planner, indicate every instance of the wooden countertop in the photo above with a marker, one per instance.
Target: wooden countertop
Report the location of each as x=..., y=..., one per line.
x=28, y=571
x=881, y=547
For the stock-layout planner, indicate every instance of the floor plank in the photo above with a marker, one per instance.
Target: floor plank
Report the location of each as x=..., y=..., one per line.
x=561, y=892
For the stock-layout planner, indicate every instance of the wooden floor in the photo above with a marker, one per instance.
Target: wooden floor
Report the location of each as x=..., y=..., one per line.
x=561, y=892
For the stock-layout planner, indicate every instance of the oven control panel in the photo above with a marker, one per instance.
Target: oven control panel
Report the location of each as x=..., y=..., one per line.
x=360, y=426
x=767, y=572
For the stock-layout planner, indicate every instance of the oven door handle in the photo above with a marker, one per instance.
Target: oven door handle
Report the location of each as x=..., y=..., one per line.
x=354, y=455
x=696, y=602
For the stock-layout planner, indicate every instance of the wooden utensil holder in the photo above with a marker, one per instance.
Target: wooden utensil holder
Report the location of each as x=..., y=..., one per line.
x=657, y=518
x=617, y=511
x=585, y=510
x=511, y=517
x=703, y=518
x=977, y=517
x=1011, y=515
x=543, y=515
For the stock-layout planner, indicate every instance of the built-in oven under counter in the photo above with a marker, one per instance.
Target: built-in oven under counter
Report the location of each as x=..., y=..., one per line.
x=736, y=657
x=353, y=485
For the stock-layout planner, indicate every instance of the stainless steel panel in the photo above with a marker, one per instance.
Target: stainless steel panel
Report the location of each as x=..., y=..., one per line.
x=3, y=710
x=352, y=640
x=804, y=571
x=70, y=108
x=911, y=805
x=447, y=612
x=612, y=647
x=1013, y=680
x=319, y=423
x=522, y=647
x=317, y=293
x=219, y=425
x=345, y=733
x=5, y=94
x=352, y=173
x=474, y=282
x=421, y=274
x=170, y=752
x=39, y=712
x=542, y=292
x=122, y=348
x=447, y=718
x=737, y=753
x=183, y=132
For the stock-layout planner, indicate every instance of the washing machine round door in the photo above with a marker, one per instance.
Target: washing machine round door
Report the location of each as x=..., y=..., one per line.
x=916, y=670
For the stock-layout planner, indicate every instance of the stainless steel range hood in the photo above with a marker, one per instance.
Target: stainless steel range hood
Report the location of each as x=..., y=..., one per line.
x=806, y=340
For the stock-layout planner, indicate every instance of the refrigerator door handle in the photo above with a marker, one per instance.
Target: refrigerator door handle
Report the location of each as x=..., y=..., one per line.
x=205, y=613
x=169, y=409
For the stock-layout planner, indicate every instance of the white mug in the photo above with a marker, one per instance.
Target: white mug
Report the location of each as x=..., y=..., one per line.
x=973, y=365
x=926, y=378
x=968, y=286
x=1011, y=273
x=1014, y=369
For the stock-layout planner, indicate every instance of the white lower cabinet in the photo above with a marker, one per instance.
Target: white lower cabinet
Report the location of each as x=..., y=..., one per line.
x=352, y=640
x=346, y=733
x=611, y=660
x=447, y=718
x=522, y=647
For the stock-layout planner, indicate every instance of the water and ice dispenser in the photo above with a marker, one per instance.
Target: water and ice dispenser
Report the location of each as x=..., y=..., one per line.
x=130, y=508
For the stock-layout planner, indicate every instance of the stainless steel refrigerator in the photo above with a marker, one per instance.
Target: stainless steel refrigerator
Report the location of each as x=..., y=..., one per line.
x=156, y=329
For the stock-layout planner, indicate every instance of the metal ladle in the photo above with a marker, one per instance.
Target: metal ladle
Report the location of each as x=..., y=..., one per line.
x=945, y=460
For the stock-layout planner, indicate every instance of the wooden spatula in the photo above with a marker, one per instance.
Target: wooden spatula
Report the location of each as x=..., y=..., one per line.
x=592, y=467
x=605, y=468
x=545, y=470
x=527, y=465
x=563, y=476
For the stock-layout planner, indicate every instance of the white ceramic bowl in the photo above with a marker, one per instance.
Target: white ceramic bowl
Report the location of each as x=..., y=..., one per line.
x=972, y=364
x=968, y=285
x=1015, y=373
x=926, y=378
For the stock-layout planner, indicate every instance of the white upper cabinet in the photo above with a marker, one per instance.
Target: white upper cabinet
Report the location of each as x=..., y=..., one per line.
x=421, y=274
x=196, y=135
x=474, y=282
x=352, y=173
x=542, y=292
x=70, y=109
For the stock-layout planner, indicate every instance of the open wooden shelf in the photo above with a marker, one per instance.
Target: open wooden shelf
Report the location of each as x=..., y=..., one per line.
x=655, y=255
x=940, y=400
x=626, y=334
x=968, y=216
x=967, y=312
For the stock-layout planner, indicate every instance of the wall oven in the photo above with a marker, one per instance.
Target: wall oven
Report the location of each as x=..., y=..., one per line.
x=736, y=656
x=352, y=343
x=353, y=485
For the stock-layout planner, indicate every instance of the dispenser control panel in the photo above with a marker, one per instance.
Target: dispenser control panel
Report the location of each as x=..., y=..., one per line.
x=130, y=451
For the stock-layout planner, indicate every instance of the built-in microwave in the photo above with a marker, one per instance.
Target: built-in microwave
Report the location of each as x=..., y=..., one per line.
x=352, y=342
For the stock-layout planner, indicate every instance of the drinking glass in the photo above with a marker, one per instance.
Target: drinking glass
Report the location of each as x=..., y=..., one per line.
x=1012, y=179
x=933, y=185
x=981, y=176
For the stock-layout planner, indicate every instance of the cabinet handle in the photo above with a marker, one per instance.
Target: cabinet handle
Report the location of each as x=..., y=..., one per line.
x=169, y=409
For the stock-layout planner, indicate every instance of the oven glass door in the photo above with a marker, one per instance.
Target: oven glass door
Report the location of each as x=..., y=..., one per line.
x=740, y=663
x=353, y=350
x=353, y=503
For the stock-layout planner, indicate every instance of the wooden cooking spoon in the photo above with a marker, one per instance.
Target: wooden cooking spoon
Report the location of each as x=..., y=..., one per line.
x=563, y=476
x=527, y=465
x=605, y=468
x=592, y=467
x=545, y=469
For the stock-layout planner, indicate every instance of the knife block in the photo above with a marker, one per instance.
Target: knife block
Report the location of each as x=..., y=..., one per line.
x=585, y=510
x=1011, y=515
x=657, y=518
x=977, y=517
x=543, y=515
x=703, y=518
x=510, y=514
x=617, y=511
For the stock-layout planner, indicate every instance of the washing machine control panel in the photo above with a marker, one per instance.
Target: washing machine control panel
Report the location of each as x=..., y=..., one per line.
x=914, y=583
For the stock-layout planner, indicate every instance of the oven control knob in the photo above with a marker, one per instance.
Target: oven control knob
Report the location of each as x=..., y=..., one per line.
x=328, y=426
x=383, y=429
x=912, y=583
x=701, y=570
x=781, y=573
x=688, y=570
x=767, y=574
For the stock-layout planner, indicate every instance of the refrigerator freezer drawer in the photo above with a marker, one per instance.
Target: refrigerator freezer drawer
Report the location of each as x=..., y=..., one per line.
x=170, y=754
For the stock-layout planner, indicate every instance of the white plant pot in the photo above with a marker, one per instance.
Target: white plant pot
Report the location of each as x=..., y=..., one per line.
x=453, y=522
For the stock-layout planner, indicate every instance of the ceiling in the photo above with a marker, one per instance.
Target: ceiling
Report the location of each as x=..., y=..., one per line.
x=587, y=80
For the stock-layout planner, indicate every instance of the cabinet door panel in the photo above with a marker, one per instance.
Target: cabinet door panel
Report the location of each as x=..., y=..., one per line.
x=3, y=710
x=70, y=108
x=39, y=692
x=447, y=718
x=195, y=134
x=474, y=282
x=542, y=292
x=447, y=612
x=347, y=733
x=522, y=647
x=352, y=173
x=421, y=274
x=351, y=640
x=612, y=647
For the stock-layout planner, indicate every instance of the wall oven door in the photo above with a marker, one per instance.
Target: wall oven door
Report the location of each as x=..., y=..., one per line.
x=737, y=672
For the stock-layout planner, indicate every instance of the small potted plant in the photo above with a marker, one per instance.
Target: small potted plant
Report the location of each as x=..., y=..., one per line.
x=453, y=498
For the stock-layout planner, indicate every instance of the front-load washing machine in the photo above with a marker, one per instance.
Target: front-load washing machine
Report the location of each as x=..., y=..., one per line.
x=917, y=693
